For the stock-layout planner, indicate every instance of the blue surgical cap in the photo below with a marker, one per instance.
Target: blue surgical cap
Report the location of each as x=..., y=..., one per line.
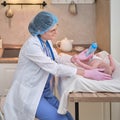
x=42, y=22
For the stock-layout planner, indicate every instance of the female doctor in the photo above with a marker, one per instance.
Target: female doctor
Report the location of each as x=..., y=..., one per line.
x=31, y=93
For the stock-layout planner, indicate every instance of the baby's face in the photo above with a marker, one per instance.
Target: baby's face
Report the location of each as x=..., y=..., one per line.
x=96, y=63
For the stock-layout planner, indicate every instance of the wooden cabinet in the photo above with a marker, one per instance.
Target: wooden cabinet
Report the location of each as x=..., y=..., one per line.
x=103, y=24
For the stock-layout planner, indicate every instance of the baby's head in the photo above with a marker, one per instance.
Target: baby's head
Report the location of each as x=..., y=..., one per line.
x=97, y=63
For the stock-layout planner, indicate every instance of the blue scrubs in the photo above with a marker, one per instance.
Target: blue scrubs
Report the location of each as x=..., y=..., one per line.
x=48, y=105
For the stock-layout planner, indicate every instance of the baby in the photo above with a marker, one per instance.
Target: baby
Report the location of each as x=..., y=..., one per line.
x=101, y=60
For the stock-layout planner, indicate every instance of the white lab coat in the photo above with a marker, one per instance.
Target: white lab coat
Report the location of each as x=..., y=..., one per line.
x=31, y=75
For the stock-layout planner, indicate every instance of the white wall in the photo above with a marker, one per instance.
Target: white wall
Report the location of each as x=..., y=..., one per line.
x=115, y=44
x=115, y=28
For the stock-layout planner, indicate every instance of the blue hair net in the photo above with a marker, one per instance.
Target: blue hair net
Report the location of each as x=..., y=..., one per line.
x=42, y=22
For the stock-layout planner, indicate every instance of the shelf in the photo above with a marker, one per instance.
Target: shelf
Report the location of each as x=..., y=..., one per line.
x=76, y=1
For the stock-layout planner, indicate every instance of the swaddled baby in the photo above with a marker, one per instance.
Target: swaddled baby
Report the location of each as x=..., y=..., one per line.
x=99, y=60
x=103, y=60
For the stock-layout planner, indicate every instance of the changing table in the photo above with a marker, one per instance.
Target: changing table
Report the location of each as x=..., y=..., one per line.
x=92, y=97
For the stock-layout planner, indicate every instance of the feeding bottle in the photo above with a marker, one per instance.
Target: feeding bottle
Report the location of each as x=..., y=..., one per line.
x=91, y=49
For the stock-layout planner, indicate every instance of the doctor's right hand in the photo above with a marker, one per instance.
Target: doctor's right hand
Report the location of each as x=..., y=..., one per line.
x=75, y=60
x=82, y=56
x=97, y=74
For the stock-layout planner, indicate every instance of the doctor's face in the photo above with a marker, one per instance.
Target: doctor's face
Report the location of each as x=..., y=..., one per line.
x=51, y=34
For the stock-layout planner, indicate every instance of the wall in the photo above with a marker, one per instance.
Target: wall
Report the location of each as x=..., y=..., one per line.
x=115, y=28
x=115, y=44
x=80, y=28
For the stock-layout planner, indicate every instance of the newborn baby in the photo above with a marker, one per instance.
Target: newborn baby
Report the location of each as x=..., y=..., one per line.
x=99, y=60
x=103, y=60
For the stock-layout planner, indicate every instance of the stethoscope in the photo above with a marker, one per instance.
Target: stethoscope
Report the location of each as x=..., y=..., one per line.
x=46, y=44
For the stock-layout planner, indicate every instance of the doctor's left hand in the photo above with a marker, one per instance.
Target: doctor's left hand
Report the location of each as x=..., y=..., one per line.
x=97, y=74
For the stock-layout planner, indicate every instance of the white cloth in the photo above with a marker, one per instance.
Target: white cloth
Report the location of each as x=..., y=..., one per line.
x=78, y=83
x=31, y=75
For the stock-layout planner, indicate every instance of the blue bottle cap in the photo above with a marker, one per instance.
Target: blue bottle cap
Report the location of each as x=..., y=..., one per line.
x=94, y=45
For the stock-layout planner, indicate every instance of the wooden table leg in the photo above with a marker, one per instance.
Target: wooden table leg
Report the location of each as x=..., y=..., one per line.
x=76, y=110
x=110, y=111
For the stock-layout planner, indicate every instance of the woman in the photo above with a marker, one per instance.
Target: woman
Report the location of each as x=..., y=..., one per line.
x=31, y=94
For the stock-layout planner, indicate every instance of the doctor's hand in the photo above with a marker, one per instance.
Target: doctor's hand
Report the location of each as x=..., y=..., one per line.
x=82, y=56
x=75, y=60
x=97, y=74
